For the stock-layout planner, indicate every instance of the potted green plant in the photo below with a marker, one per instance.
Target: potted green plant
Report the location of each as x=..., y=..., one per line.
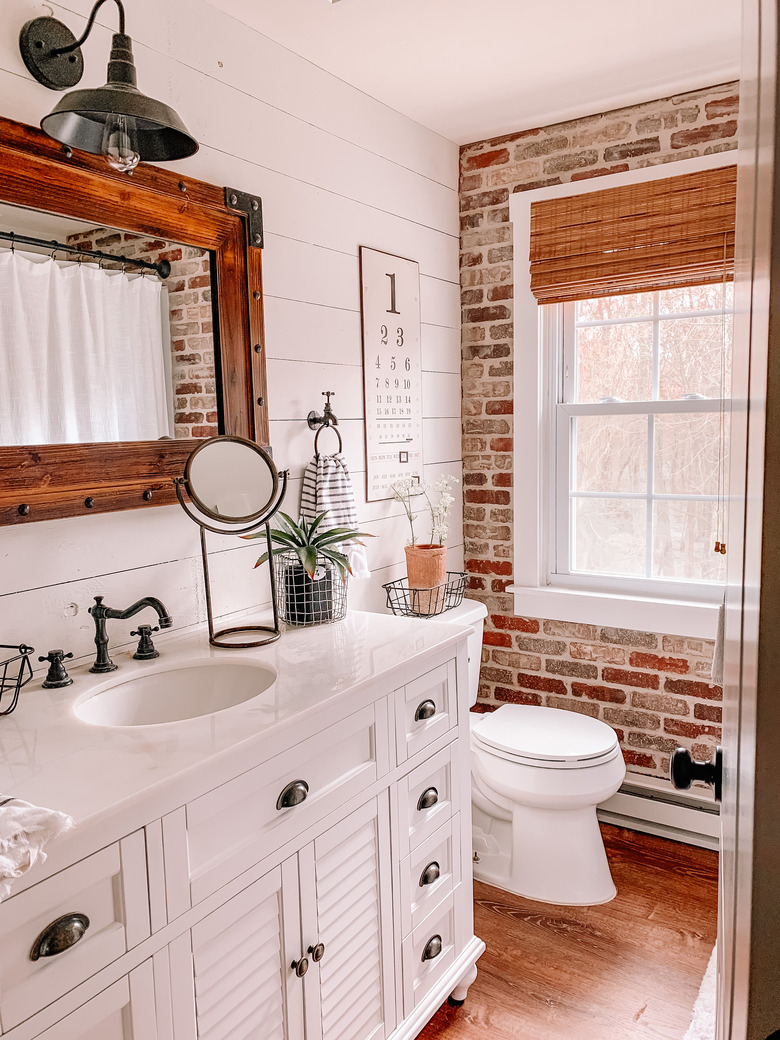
x=306, y=560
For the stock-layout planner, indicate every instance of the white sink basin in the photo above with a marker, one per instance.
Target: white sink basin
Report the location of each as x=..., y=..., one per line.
x=174, y=693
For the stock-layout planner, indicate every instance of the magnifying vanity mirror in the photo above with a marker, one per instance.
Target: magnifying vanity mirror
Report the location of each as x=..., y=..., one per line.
x=131, y=328
x=231, y=486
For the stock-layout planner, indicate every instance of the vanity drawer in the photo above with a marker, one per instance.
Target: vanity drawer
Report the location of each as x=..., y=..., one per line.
x=428, y=952
x=425, y=709
x=430, y=874
x=109, y=890
x=235, y=826
x=425, y=800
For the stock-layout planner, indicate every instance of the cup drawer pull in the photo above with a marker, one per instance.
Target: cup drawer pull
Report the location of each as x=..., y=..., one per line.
x=59, y=936
x=428, y=798
x=432, y=948
x=431, y=873
x=293, y=794
x=424, y=711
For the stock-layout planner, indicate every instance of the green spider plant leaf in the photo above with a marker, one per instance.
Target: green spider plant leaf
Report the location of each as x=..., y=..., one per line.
x=274, y=552
x=307, y=554
x=339, y=561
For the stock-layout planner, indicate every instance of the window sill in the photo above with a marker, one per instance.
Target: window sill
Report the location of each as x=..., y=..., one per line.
x=666, y=616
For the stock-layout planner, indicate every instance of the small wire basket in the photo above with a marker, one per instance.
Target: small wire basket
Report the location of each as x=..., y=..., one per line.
x=425, y=602
x=303, y=600
x=15, y=671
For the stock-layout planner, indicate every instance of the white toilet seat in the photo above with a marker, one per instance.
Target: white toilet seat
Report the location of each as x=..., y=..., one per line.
x=546, y=738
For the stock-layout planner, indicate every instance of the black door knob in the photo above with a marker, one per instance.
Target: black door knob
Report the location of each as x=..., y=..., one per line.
x=684, y=770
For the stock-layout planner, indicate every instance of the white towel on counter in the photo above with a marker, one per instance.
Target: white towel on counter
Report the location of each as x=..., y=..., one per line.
x=327, y=485
x=24, y=830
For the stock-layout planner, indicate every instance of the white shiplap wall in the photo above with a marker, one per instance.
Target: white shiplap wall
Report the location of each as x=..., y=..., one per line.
x=336, y=170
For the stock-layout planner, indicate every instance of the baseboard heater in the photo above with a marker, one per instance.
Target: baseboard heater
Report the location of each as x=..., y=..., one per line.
x=651, y=805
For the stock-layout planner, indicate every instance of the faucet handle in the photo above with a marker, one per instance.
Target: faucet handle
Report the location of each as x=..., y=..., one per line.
x=56, y=676
x=146, y=650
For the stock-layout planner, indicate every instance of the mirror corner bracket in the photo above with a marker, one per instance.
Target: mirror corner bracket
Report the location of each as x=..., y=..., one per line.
x=252, y=206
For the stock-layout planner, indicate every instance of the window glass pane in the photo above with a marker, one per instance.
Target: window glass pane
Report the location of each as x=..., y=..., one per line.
x=610, y=453
x=684, y=537
x=689, y=358
x=695, y=298
x=686, y=453
x=632, y=305
x=608, y=536
x=615, y=362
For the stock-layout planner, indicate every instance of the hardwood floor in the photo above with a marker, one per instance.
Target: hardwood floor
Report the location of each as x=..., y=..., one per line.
x=628, y=969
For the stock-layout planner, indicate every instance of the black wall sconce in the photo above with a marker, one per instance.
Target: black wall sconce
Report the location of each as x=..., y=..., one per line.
x=115, y=120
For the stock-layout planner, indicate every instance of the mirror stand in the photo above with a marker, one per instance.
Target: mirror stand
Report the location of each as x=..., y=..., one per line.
x=216, y=637
x=198, y=511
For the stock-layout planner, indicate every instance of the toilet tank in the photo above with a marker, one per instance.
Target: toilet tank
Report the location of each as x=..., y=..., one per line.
x=472, y=613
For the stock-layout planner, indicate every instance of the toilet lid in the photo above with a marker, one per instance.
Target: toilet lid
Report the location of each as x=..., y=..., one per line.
x=545, y=735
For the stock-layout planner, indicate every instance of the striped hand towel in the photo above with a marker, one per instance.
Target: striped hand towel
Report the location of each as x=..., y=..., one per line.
x=327, y=485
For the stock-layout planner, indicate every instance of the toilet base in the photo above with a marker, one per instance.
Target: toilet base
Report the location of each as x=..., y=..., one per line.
x=548, y=855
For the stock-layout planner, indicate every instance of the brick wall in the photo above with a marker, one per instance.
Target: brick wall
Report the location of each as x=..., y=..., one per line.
x=192, y=340
x=653, y=688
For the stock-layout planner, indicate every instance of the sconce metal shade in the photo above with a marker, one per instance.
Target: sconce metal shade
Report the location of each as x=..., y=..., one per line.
x=54, y=58
x=79, y=119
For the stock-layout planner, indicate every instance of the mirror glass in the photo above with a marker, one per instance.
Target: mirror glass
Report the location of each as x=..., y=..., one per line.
x=98, y=350
x=231, y=479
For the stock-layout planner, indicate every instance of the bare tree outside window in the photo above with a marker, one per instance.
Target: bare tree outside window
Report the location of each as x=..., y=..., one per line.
x=640, y=433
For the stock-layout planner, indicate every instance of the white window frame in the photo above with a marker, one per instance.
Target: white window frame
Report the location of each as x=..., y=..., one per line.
x=567, y=597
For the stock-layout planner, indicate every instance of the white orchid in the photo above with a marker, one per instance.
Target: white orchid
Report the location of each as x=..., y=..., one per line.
x=408, y=488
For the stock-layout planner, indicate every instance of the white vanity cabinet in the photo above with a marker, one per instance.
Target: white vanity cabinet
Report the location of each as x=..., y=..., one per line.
x=303, y=952
x=124, y=1011
x=313, y=883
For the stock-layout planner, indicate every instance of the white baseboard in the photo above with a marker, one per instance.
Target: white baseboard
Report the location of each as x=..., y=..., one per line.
x=652, y=806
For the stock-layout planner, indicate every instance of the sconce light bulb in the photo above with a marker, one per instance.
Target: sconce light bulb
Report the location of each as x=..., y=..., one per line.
x=119, y=143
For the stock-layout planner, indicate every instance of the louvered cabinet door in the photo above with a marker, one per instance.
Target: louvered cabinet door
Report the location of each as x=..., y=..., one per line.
x=345, y=906
x=244, y=987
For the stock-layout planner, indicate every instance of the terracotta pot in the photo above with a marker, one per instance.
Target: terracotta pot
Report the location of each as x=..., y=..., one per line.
x=426, y=568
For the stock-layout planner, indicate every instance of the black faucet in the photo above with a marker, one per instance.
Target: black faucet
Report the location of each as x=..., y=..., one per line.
x=99, y=612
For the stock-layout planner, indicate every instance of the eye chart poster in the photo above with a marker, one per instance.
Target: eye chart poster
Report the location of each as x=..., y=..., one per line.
x=392, y=369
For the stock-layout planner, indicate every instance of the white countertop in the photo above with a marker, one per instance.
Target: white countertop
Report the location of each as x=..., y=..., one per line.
x=48, y=756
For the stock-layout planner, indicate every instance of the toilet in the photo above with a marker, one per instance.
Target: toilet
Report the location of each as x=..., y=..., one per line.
x=537, y=775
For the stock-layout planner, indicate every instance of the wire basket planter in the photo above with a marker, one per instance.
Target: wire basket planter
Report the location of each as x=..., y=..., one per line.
x=426, y=602
x=308, y=601
x=15, y=671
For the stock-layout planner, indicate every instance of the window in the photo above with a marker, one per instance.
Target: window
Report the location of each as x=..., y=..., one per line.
x=615, y=467
x=640, y=384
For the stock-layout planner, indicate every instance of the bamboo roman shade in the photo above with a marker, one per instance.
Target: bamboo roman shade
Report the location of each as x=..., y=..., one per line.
x=637, y=237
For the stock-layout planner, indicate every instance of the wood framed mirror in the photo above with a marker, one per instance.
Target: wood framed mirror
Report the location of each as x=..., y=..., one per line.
x=47, y=481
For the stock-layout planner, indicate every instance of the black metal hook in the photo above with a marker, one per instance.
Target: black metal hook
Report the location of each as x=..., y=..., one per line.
x=328, y=417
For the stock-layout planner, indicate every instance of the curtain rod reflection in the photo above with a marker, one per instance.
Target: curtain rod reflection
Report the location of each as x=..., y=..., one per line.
x=163, y=268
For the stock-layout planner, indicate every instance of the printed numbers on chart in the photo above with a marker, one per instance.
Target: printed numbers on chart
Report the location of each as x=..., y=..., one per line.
x=392, y=309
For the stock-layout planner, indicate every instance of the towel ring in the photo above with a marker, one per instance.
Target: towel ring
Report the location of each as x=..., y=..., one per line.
x=317, y=437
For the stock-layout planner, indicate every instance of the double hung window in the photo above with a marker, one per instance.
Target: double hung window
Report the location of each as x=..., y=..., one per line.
x=640, y=429
x=641, y=274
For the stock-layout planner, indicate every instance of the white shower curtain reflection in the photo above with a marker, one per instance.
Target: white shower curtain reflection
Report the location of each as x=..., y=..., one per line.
x=81, y=354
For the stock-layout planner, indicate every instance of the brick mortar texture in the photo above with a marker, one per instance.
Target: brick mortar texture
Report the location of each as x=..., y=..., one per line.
x=654, y=689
